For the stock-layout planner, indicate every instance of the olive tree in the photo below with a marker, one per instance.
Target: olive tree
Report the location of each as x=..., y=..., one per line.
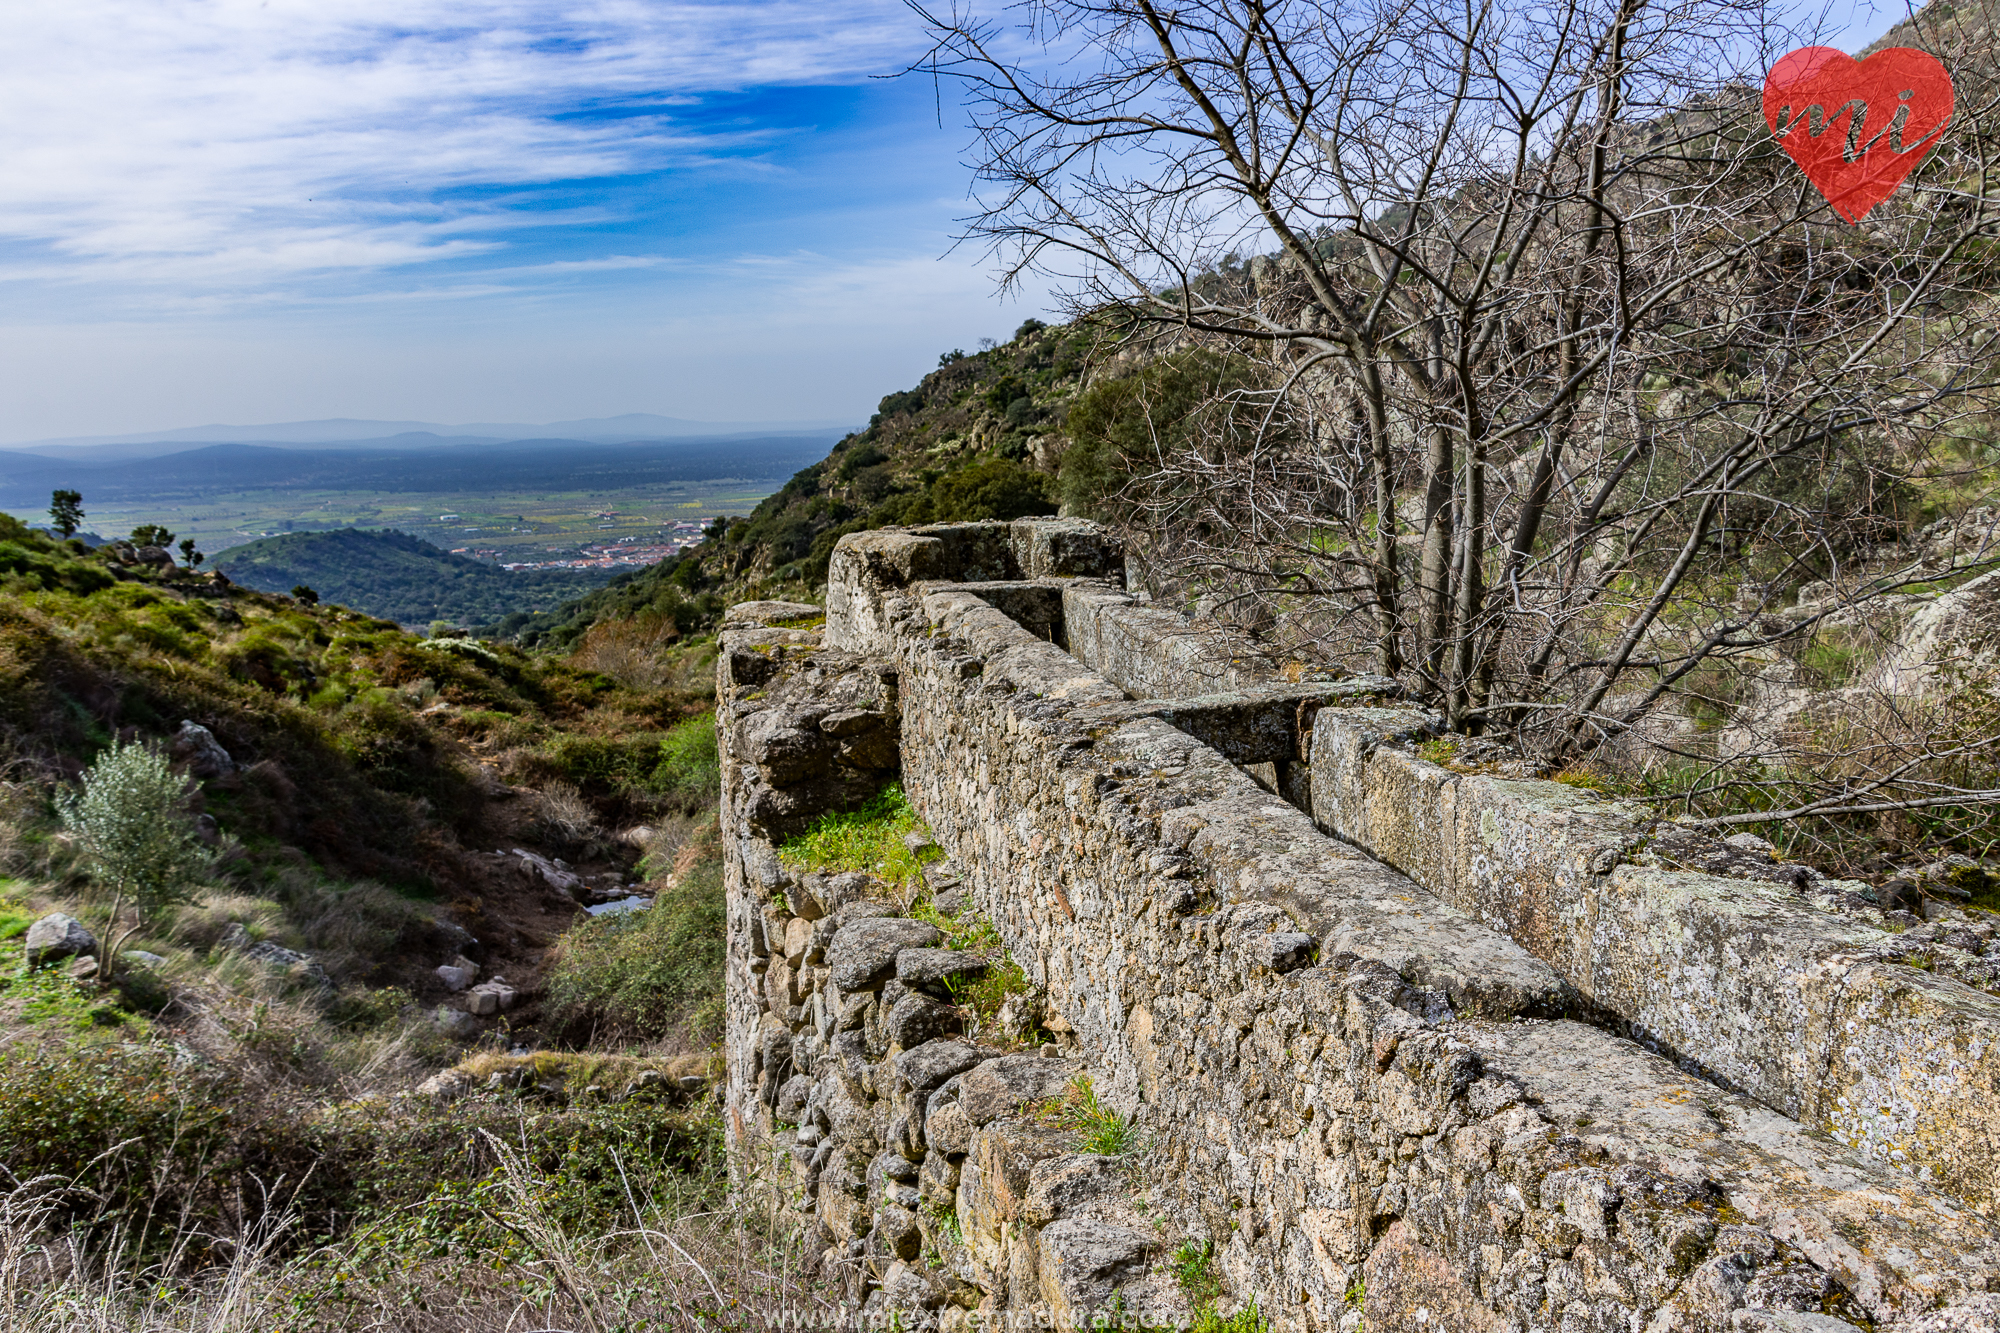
x=138, y=841
x=1564, y=376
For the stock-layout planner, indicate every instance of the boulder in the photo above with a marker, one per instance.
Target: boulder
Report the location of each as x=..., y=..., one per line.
x=927, y=1066
x=140, y=958
x=863, y=953
x=447, y=1085
x=58, y=936
x=1082, y=1261
x=298, y=967
x=455, y=979
x=456, y=1023
x=552, y=873
x=196, y=746
x=489, y=997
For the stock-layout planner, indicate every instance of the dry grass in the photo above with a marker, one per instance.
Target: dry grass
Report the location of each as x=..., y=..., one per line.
x=684, y=1262
x=564, y=816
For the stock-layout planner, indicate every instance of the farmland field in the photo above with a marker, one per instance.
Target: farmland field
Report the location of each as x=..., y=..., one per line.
x=522, y=526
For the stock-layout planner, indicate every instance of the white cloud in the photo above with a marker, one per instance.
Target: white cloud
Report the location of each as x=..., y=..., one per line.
x=182, y=148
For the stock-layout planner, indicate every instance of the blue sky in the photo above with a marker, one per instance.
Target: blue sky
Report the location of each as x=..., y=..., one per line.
x=267, y=210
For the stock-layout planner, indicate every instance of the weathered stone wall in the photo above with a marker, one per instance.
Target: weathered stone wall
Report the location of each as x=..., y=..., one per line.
x=1768, y=980
x=1370, y=1101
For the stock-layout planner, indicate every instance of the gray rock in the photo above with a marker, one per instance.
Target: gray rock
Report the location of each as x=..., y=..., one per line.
x=445, y=1086
x=863, y=953
x=490, y=997
x=298, y=967
x=1083, y=1260
x=946, y=1130
x=1792, y=1321
x=151, y=961
x=916, y=1019
x=1283, y=952
x=932, y=968
x=997, y=1087
x=58, y=936
x=925, y=1067
x=456, y=1023
x=1973, y=1314
x=910, y=1289
x=894, y=1236
x=1017, y=1016
x=1061, y=1186
x=853, y=908
x=893, y=1166
x=196, y=746
x=455, y=979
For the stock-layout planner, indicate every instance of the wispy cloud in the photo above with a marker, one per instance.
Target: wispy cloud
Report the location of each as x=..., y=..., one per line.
x=181, y=150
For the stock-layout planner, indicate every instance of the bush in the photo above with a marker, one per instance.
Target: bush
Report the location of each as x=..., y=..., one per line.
x=690, y=764
x=151, y=1141
x=131, y=824
x=644, y=974
x=997, y=488
x=606, y=764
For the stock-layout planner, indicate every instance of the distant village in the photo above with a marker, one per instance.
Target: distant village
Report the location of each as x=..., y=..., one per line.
x=621, y=553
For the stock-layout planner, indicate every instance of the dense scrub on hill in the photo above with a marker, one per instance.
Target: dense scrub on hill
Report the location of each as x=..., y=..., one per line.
x=399, y=577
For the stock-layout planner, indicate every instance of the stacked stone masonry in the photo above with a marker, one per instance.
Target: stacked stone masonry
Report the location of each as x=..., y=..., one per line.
x=1407, y=1048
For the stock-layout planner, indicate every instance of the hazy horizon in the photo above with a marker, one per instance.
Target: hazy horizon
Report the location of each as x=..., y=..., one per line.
x=485, y=210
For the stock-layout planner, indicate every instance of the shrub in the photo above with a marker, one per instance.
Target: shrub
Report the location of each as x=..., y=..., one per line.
x=996, y=488
x=607, y=764
x=563, y=816
x=137, y=839
x=689, y=764
x=151, y=1141
x=642, y=974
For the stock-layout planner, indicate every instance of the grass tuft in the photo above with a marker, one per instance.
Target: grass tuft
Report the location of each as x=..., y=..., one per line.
x=868, y=839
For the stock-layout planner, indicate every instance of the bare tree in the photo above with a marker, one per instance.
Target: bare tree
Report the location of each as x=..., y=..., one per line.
x=1565, y=377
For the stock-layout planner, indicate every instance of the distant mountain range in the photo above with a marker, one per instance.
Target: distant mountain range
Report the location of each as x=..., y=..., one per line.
x=423, y=465
x=355, y=433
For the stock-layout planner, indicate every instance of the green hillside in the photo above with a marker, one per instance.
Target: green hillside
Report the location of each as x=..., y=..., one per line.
x=399, y=577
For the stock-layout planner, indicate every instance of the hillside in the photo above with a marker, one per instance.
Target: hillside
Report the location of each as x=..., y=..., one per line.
x=365, y=856
x=399, y=577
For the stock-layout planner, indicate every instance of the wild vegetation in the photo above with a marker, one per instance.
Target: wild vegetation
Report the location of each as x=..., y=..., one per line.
x=213, y=1124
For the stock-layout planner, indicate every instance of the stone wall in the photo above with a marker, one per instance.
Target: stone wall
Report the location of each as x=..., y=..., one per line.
x=1768, y=979
x=1370, y=1100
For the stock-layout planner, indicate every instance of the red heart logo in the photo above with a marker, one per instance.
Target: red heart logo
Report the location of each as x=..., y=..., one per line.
x=1857, y=127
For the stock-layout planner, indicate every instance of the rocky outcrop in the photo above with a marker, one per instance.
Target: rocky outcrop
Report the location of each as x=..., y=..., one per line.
x=1363, y=1097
